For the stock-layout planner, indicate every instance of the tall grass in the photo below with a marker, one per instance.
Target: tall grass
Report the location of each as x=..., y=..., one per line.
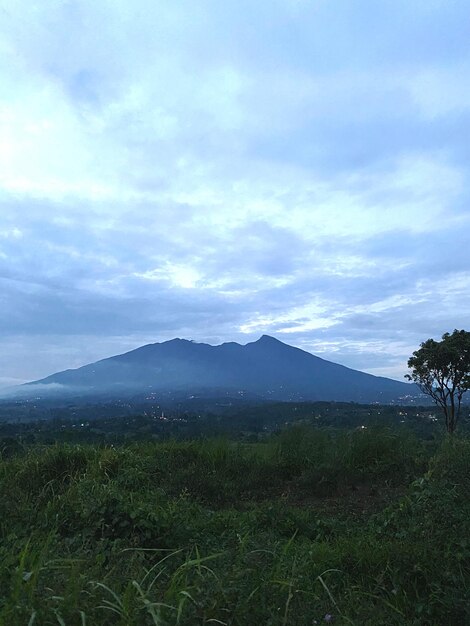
x=214, y=532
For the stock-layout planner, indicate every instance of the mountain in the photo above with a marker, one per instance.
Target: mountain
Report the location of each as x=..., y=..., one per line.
x=266, y=368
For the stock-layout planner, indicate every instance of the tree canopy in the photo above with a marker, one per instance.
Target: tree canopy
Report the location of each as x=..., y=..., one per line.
x=441, y=369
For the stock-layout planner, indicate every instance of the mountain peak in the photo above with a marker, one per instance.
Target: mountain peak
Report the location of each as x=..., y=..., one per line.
x=267, y=339
x=267, y=367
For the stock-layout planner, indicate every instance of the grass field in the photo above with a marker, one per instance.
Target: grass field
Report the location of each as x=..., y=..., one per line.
x=363, y=527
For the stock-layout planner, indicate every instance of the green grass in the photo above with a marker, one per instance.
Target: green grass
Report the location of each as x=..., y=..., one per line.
x=369, y=526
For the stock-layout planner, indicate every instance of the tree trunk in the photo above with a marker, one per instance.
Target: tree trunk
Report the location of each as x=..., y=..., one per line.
x=451, y=418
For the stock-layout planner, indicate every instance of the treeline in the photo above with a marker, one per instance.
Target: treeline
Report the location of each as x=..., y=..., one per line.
x=241, y=423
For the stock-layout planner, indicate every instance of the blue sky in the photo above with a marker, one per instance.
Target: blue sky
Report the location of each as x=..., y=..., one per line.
x=218, y=170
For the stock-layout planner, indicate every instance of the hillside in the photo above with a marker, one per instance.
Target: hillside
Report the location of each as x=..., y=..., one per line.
x=267, y=368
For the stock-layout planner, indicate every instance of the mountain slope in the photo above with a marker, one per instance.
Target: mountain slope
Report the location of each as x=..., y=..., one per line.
x=267, y=368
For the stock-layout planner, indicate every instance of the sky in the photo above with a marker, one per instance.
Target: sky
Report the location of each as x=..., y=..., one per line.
x=221, y=170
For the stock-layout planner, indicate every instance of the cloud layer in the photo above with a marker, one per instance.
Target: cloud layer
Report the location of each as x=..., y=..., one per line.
x=220, y=170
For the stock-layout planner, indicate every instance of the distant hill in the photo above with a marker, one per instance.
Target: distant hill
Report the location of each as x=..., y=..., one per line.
x=266, y=368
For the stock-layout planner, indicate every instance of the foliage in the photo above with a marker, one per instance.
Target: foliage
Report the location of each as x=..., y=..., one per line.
x=366, y=526
x=442, y=370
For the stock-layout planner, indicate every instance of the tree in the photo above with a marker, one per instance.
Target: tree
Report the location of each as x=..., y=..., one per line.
x=441, y=369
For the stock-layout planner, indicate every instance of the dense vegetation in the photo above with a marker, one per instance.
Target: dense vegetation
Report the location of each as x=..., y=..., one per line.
x=118, y=423
x=362, y=526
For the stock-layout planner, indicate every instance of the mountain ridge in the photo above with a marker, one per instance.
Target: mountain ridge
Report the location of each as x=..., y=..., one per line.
x=266, y=367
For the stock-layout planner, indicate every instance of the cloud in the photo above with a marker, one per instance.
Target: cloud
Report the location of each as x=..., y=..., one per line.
x=220, y=170
x=49, y=389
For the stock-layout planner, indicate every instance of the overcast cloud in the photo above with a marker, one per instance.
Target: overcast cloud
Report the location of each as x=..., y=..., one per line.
x=218, y=170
